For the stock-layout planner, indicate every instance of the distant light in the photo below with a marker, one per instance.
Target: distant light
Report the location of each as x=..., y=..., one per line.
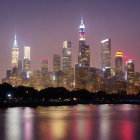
x=80, y=65
x=106, y=40
x=54, y=78
x=27, y=75
x=130, y=60
x=9, y=95
x=103, y=69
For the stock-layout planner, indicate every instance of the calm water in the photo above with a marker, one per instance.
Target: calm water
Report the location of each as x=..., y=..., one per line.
x=82, y=122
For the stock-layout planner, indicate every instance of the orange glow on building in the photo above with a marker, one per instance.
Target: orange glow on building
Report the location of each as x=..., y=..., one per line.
x=119, y=54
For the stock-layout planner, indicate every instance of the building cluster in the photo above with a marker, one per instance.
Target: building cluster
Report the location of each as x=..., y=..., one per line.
x=121, y=79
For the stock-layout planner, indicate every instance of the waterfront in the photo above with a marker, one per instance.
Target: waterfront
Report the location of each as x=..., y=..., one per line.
x=81, y=122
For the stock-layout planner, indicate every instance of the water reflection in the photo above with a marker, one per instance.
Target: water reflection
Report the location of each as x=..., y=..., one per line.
x=13, y=124
x=82, y=122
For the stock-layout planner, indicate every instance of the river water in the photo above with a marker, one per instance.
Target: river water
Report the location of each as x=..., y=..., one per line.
x=81, y=122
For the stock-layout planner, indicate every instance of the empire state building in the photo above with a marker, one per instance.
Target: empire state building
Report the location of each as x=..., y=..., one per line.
x=84, y=52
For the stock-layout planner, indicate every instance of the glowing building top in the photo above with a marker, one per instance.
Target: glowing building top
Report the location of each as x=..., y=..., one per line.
x=15, y=41
x=82, y=31
x=27, y=52
x=15, y=54
x=119, y=54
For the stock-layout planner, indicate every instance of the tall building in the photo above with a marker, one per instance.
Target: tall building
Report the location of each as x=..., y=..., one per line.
x=56, y=63
x=82, y=68
x=27, y=52
x=15, y=54
x=44, y=66
x=44, y=71
x=119, y=81
x=119, y=66
x=84, y=52
x=106, y=56
x=27, y=62
x=20, y=67
x=66, y=56
x=129, y=71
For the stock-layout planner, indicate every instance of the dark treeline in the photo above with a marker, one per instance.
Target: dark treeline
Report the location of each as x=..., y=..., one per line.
x=9, y=94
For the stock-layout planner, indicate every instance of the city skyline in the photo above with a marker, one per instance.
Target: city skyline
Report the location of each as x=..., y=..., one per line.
x=123, y=39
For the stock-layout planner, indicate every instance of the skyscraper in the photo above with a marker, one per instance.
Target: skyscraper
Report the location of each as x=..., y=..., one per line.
x=27, y=52
x=119, y=81
x=84, y=52
x=82, y=68
x=130, y=68
x=119, y=66
x=44, y=71
x=56, y=63
x=106, y=56
x=15, y=54
x=44, y=66
x=66, y=56
x=26, y=61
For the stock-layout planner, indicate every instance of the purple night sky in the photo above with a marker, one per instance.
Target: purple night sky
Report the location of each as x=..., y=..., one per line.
x=45, y=24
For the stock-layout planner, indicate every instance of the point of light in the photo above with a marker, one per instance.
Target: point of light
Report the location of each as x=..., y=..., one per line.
x=54, y=78
x=27, y=75
x=9, y=95
x=103, y=69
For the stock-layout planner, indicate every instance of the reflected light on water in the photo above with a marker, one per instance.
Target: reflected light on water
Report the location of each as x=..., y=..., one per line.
x=82, y=122
x=13, y=124
x=28, y=125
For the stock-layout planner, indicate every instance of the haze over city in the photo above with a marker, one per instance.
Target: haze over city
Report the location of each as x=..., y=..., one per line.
x=44, y=25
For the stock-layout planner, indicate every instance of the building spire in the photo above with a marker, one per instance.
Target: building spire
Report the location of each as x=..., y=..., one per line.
x=82, y=30
x=82, y=21
x=15, y=41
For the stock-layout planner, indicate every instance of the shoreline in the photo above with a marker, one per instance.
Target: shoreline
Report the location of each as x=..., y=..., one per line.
x=70, y=103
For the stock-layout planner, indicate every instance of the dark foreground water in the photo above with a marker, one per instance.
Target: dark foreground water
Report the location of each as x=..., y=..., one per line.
x=82, y=122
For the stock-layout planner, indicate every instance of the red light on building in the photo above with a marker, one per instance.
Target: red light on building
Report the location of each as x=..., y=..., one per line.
x=44, y=59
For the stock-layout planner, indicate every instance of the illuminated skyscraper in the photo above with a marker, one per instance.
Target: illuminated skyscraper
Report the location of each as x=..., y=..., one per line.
x=84, y=52
x=119, y=81
x=44, y=66
x=26, y=62
x=44, y=71
x=27, y=52
x=66, y=55
x=15, y=54
x=119, y=66
x=82, y=68
x=56, y=63
x=129, y=71
x=106, y=56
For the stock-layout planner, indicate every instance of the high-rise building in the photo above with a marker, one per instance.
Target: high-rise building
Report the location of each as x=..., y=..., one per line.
x=119, y=81
x=20, y=67
x=84, y=52
x=56, y=63
x=82, y=68
x=27, y=52
x=119, y=66
x=44, y=71
x=44, y=66
x=27, y=62
x=15, y=54
x=106, y=57
x=66, y=56
x=130, y=68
